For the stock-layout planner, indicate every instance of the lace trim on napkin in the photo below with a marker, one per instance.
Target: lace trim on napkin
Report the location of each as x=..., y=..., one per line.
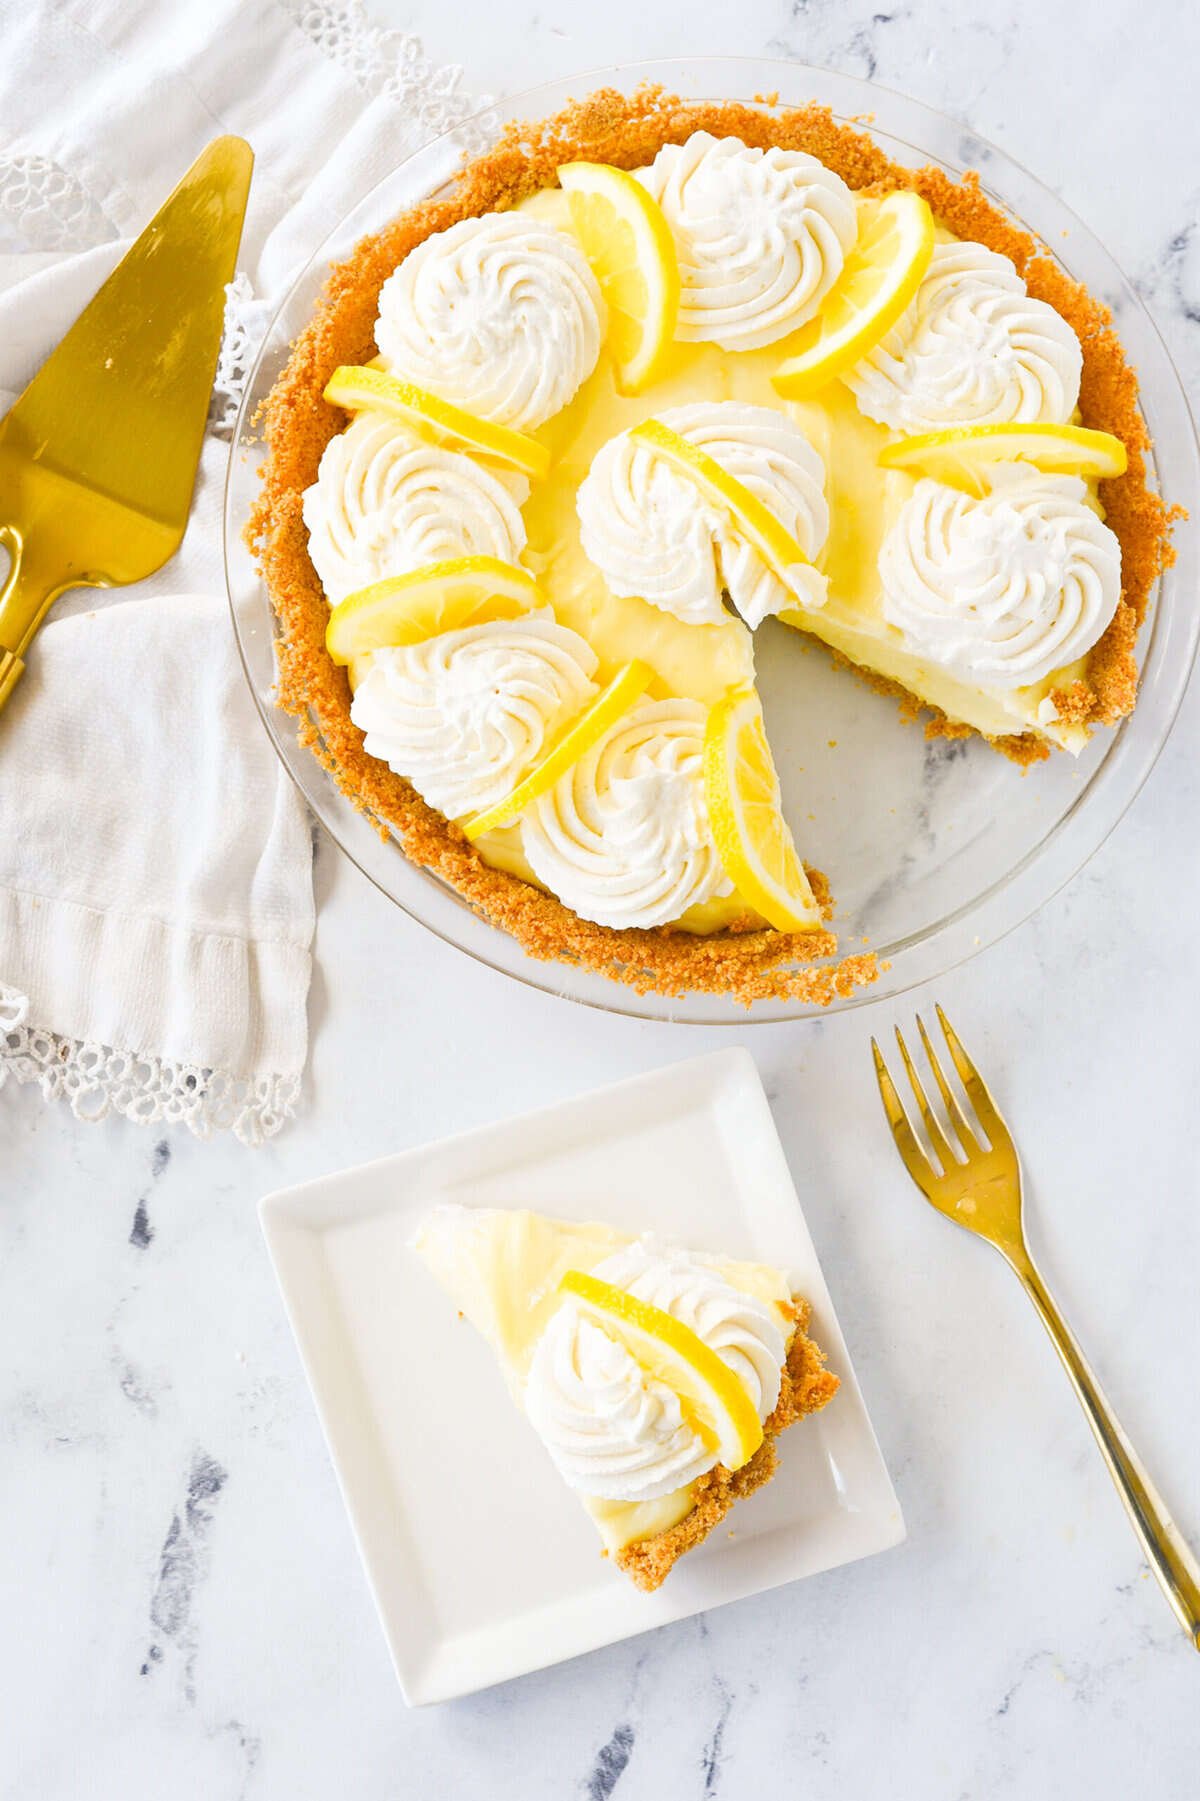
x=97, y=1080
x=44, y=208
x=381, y=61
x=246, y=319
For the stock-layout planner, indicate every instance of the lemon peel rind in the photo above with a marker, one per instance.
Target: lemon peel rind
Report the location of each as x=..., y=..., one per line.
x=612, y=702
x=642, y=214
x=360, y=388
x=805, y=374
x=755, y=521
x=723, y=815
x=1067, y=450
x=615, y=1306
x=356, y=623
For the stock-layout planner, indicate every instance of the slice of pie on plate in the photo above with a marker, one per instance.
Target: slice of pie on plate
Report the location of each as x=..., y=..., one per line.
x=658, y=1378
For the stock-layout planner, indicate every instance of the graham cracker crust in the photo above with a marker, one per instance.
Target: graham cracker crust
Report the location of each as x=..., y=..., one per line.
x=806, y=1386
x=629, y=130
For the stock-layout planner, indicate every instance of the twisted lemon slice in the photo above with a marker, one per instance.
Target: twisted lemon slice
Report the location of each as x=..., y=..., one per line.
x=670, y=1352
x=754, y=522
x=591, y=725
x=963, y=456
x=441, y=597
x=628, y=243
x=374, y=390
x=752, y=836
x=879, y=279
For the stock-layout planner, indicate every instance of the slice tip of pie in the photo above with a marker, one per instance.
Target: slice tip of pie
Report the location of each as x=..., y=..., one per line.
x=640, y=1364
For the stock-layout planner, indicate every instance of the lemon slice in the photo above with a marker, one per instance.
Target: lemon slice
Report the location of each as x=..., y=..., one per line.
x=751, y=834
x=628, y=242
x=963, y=456
x=754, y=522
x=717, y=1404
x=591, y=725
x=878, y=280
x=369, y=389
x=441, y=597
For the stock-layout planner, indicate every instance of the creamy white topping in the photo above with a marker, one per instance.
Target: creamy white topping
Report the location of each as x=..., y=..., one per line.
x=466, y=714
x=385, y=502
x=612, y=1430
x=623, y=838
x=972, y=349
x=739, y=1327
x=652, y=533
x=1005, y=589
x=761, y=236
x=500, y=315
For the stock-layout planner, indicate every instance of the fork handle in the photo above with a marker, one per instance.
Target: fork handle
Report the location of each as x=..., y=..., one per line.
x=1173, y=1562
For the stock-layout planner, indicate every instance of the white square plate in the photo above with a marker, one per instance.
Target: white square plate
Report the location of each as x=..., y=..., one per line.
x=482, y=1563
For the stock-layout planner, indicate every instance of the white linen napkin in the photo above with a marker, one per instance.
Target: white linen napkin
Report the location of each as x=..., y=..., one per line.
x=155, y=862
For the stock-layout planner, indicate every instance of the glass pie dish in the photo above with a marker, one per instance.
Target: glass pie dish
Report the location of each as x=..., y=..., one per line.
x=933, y=848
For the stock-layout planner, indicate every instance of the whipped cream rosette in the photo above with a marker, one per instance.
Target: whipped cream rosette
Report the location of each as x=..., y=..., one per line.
x=1005, y=589
x=624, y=836
x=973, y=348
x=653, y=534
x=500, y=315
x=761, y=236
x=611, y=1430
x=466, y=714
x=385, y=502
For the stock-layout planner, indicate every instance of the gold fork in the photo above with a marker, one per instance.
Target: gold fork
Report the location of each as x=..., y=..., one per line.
x=979, y=1186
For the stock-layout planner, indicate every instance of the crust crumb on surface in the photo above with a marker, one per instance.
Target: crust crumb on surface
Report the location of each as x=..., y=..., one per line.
x=629, y=130
x=806, y=1387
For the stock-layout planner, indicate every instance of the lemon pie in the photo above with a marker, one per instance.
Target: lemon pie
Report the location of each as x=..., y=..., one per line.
x=657, y=1378
x=555, y=448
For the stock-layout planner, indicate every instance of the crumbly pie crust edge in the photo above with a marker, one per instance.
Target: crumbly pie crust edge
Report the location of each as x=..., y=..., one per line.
x=805, y=1387
x=629, y=130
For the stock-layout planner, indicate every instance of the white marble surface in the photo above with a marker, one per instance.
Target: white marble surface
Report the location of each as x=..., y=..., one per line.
x=181, y=1612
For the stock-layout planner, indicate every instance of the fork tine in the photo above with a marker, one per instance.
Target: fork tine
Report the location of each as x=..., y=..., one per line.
x=969, y=1140
x=907, y=1143
x=937, y=1137
x=986, y=1110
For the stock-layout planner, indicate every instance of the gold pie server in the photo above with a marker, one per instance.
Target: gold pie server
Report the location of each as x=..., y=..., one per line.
x=98, y=456
x=974, y=1178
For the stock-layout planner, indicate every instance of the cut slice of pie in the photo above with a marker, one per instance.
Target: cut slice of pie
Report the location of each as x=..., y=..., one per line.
x=658, y=1378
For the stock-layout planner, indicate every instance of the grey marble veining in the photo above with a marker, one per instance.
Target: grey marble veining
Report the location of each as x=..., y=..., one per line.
x=181, y=1611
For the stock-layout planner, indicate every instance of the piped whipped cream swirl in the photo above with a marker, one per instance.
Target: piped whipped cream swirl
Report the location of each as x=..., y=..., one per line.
x=613, y=1431
x=623, y=838
x=761, y=236
x=652, y=533
x=500, y=315
x=1005, y=589
x=385, y=502
x=466, y=714
x=972, y=348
